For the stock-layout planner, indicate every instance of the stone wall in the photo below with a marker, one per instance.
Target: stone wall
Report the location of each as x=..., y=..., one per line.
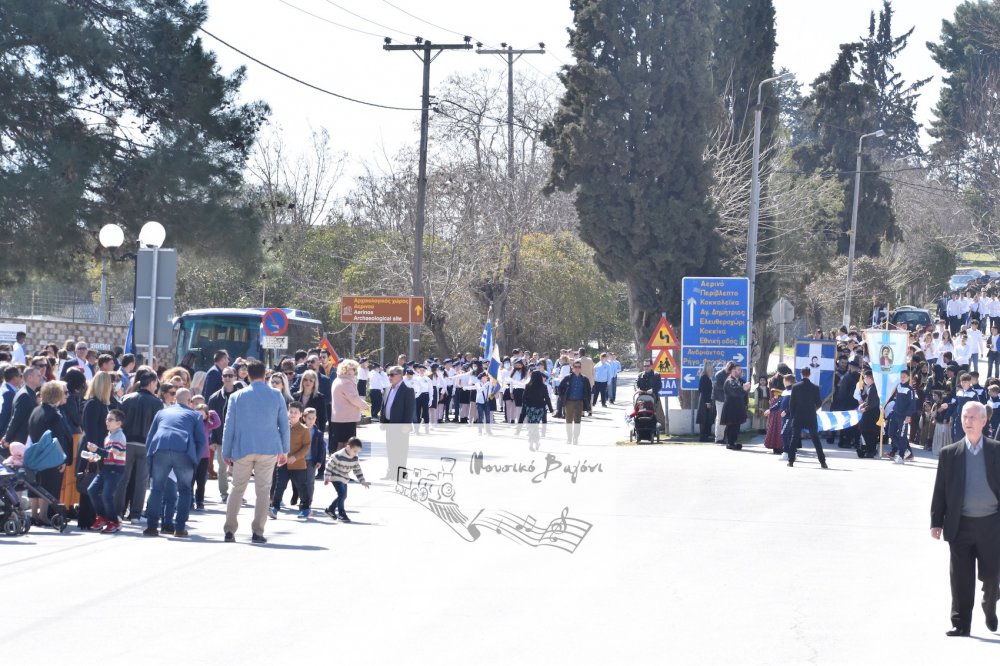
x=102, y=337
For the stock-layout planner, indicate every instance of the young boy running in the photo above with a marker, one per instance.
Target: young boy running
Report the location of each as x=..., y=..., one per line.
x=338, y=470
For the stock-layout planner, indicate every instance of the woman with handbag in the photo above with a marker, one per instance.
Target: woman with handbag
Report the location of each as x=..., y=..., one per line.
x=97, y=402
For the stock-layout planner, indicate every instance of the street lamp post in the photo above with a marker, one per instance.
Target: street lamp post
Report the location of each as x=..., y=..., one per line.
x=854, y=227
x=152, y=236
x=111, y=236
x=755, y=201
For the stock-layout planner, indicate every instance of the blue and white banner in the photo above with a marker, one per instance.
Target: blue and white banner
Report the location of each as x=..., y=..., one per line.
x=887, y=357
x=486, y=339
x=831, y=421
x=821, y=358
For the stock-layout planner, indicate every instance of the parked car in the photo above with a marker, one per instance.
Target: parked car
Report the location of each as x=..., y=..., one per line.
x=911, y=317
x=959, y=280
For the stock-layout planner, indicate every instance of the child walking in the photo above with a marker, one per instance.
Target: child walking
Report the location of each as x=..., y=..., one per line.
x=102, y=489
x=338, y=470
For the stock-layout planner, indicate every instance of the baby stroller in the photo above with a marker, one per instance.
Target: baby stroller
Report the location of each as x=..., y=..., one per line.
x=644, y=425
x=46, y=453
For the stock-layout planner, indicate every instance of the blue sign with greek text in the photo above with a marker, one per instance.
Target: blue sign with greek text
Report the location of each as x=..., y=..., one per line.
x=715, y=325
x=668, y=388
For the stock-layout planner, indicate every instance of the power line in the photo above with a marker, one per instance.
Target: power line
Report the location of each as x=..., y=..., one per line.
x=433, y=25
x=326, y=20
x=483, y=114
x=368, y=20
x=306, y=83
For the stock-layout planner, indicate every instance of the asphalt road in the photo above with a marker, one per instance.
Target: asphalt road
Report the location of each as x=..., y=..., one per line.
x=670, y=554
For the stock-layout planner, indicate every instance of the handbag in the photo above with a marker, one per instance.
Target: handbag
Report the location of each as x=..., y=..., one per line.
x=86, y=477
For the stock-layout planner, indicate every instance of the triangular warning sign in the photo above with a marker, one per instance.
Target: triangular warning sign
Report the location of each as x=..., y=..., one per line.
x=663, y=336
x=665, y=365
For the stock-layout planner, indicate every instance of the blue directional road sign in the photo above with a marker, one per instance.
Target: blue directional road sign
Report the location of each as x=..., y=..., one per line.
x=715, y=325
x=668, y=388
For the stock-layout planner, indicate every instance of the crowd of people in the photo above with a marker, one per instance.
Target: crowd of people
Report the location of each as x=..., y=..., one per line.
x=143, y=441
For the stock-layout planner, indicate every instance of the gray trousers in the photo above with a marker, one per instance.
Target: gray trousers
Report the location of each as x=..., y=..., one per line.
x=135, y=463
x=720, y=430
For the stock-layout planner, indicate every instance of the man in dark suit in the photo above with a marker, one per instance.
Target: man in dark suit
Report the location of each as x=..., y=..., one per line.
x=213, y=378
x=78, y=361
x=25, y=402
x=397, y=413
x=964, y=508
x=803, y=403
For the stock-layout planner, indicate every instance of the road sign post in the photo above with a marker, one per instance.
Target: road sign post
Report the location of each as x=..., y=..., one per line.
x=715, y=325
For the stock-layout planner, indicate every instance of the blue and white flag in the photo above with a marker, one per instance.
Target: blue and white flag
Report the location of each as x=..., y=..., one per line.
x=887, y=357
x=130, y=334
x=821, y=358
x=493, y=369
x=486, y=339
x=831, y=421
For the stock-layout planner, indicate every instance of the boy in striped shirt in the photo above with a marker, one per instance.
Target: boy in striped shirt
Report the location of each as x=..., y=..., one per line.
x=339, y=467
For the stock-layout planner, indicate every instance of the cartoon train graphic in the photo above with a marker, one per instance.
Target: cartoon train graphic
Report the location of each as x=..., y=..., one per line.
x=420, y=484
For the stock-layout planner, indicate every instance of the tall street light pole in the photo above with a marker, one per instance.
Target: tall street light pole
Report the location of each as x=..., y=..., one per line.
x=854, y=228
x=755, y=202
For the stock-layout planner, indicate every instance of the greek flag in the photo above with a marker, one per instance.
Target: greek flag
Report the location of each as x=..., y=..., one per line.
x=130, y=335
x=486, y=339
x=820, y=356
x=493, y=369
x=830, y=421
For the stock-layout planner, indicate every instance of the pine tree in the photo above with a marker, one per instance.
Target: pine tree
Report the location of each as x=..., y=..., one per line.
x=114, y=112
x=628, y=139
x=895, y=103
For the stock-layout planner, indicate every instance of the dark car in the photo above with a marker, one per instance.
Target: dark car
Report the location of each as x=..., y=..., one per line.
x=911, y=317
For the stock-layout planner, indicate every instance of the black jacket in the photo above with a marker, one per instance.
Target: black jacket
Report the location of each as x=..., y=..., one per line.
x=95, y=425
x=47, y=417
x=537, y=395
x=803, y=404
x=219, y=403
x=213, y=382
x=869, y=397
x=24, y=403
x=843, y=395
x=648, y=381
x=718, y=385
x=949, y=485
x=320, y=403
x=73, y=411
x=403, y=405
x=140, y=408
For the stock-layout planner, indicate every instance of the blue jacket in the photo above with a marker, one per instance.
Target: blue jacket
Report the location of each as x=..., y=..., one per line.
x=176, y=428
x=317, y=450
x=256, y=423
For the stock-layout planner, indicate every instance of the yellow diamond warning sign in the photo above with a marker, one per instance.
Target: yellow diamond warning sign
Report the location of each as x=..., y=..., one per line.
x=663, y=337
x=665, y=365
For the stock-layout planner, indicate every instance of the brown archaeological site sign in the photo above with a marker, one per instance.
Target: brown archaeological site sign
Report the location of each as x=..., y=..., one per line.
x=382, y=309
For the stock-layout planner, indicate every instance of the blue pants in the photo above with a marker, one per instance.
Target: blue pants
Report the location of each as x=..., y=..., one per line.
x=169, y=502
x=160, y=466
x=102, y=491
x=900, y=438
x=376, y=397
x=300, y=482
x=974, y=363
x=613, y=389
x=338, y=504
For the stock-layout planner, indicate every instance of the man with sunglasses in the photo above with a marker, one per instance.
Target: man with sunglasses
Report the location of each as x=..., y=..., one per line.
x=219, y=403
x=575, y=392
x=400, y=405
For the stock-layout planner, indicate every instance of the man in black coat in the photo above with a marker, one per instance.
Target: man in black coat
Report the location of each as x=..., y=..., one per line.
x=25, y=401
x=802, y=404
x=846, y=377
x=870, y=408
x=397, y=414
x=964, y=508
x=213, y=378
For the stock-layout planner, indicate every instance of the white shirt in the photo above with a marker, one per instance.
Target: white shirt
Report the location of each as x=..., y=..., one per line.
x=18, y=354
x=363, y=373
x=975, y=341
x=962, y=353
x=954, y=307
x=378, y=380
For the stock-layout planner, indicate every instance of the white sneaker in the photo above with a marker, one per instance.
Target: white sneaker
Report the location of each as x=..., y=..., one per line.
x=784, y=456
x=898, y=460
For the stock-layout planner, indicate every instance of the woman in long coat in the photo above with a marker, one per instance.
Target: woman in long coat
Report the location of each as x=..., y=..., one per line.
x=734, y=408
x=706, y=406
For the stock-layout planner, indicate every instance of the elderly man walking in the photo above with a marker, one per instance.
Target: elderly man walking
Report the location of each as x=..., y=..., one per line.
x=174, y=444
x=254, y=439
x=965, y=509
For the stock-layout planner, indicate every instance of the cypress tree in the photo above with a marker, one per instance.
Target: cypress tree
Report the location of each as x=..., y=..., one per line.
x=629, y=138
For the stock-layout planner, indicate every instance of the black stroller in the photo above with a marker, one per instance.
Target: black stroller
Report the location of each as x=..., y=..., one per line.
x=44, y=454
x=645, y=428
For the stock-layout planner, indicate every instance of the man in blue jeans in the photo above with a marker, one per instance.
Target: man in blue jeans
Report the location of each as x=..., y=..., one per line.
x=175, y=442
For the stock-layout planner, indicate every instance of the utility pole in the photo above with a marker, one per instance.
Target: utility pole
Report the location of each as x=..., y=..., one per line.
x=428, y=52
x=510, y=53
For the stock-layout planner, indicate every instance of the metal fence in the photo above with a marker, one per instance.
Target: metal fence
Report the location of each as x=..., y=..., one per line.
x=66, y=302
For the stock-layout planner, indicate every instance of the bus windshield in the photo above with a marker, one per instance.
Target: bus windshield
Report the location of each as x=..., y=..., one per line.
x=205, y=335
